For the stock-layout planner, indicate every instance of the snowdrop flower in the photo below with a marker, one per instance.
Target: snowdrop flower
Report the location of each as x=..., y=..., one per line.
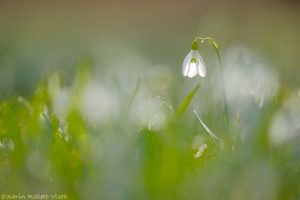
x=193, y=63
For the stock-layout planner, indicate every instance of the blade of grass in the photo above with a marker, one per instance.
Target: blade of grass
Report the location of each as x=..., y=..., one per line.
x=187, y=100
x=215, y=138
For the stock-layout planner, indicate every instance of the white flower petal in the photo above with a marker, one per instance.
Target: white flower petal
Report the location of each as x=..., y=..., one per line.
x=200, y=64
x=192, y=70
x=185, y=69
x=186, y=63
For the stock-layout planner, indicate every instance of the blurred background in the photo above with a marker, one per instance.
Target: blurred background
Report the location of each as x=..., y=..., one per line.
x=37, y=37
x=89, y=89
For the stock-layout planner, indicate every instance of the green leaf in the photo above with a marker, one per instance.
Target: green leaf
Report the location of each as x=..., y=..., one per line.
x=185, y=103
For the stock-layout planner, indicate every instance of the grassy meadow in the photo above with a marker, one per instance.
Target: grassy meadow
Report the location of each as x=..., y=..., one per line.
x=93, y=104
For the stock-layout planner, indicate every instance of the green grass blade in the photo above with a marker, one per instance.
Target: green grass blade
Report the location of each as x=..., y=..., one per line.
x=215, y=138
x=187, y=100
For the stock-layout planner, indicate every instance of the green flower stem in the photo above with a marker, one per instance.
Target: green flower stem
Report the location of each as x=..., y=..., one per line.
x=214, y=44
x=195, y=45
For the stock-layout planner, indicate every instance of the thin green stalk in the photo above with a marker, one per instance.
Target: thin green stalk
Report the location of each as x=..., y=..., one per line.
x=214, y=44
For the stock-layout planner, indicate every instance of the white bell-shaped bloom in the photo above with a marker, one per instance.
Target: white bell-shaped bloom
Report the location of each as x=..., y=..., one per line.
x=193, y=64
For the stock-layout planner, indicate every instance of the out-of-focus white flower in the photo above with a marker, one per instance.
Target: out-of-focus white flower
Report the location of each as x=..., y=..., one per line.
x=99, y=103
x=193, y=64
x=59, y=96
x=285, y=124
x=61, y=103
x=248, y=78
x=144, y=110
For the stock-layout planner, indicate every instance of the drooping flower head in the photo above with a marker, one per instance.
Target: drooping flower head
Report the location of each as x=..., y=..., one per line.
x=193, y=63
